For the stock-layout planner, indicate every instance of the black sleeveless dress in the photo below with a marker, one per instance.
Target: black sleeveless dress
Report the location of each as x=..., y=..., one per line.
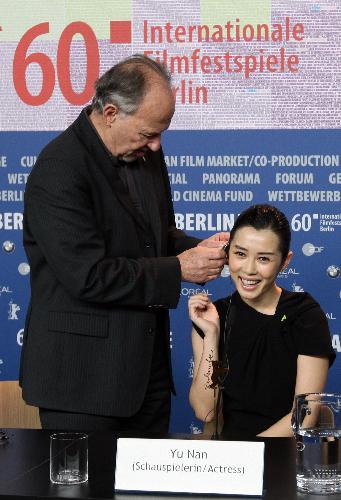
x=262, y=354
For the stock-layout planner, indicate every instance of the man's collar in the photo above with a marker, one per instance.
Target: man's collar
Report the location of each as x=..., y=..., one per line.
x=115, y=160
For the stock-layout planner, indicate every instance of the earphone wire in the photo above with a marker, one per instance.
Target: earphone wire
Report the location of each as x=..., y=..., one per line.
x=224, y=365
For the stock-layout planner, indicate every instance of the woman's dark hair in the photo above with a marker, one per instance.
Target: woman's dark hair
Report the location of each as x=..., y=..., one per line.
x=266, y=217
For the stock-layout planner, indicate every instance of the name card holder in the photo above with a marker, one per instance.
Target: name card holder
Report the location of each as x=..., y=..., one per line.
x=185, y=466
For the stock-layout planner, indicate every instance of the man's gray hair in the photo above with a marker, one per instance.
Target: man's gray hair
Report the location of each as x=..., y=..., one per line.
x=126, y=83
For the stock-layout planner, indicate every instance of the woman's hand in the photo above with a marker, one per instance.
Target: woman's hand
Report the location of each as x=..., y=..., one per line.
x=204, y=315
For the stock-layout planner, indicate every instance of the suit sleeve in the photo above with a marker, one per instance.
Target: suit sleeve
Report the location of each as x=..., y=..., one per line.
x=178, y=240
x=60, y=230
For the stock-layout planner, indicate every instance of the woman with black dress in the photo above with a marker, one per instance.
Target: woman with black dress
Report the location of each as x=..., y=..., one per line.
x=263, y=344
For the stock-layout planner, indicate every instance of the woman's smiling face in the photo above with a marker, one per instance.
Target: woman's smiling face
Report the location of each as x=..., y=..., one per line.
x=254, y=262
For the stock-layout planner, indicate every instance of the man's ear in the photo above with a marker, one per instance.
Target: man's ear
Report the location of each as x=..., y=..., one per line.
x=110, y=113
x=287, y=260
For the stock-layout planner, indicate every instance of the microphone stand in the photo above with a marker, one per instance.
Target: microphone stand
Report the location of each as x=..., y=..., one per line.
x=221, y=368
x=218, y=376
x=215, y=435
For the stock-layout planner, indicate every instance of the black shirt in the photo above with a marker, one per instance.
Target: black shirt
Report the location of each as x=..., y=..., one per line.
x=262, y=355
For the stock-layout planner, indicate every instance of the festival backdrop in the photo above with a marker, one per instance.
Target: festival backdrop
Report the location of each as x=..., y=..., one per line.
x=257, y=88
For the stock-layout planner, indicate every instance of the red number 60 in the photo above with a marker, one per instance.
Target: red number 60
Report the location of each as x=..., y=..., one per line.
x=22, y=61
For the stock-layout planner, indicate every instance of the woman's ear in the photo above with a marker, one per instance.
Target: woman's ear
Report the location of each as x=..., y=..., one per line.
x=287, y=260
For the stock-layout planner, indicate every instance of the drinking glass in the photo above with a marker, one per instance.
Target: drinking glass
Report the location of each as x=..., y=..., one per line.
x=316, y=424
x=68, y=458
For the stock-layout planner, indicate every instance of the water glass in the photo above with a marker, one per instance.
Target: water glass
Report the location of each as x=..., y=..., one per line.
x=68, y=458
x=317, y=427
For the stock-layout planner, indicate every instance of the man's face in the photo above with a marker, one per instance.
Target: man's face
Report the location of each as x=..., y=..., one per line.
x=130, y=136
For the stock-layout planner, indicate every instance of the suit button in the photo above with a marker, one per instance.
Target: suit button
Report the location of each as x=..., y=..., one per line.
x=151, y=331
x=148, y=244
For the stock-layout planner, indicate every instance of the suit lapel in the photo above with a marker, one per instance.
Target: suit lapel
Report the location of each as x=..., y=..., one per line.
x=151, y=203
x=93, y=143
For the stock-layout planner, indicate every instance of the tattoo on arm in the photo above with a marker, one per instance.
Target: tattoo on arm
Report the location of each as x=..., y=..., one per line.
x=209, y=370
x=216, y=373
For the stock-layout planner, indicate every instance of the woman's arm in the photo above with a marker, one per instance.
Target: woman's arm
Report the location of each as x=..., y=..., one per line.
x=311, y=376
x=205, y=350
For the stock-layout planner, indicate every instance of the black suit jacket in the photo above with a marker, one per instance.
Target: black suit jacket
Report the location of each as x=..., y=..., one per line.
x=102, y=279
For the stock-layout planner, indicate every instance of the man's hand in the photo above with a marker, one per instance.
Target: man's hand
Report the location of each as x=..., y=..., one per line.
x=201, y=264
x=218, y=240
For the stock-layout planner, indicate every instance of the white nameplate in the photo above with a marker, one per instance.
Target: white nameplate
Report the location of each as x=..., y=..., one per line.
x=188, y=466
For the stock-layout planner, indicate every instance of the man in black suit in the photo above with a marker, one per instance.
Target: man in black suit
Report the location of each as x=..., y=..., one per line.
x=107, y=261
